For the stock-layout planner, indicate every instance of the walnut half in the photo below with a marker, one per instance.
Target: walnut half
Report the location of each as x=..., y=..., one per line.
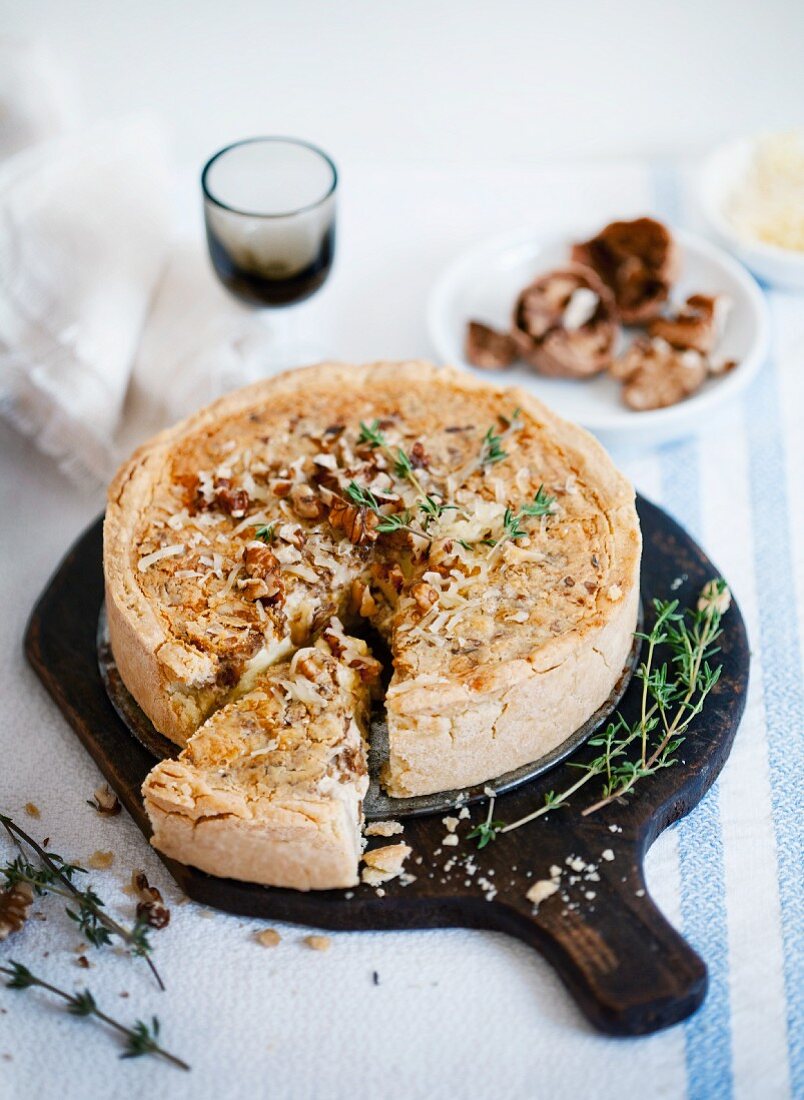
x=15, y=904
x=565, y=323
x=638, y=260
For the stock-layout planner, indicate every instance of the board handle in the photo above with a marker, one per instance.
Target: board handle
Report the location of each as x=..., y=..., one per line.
x=628, y=969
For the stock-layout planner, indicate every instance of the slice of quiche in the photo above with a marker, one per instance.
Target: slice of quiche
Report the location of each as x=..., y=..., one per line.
x=270, y=788
x=494, y=546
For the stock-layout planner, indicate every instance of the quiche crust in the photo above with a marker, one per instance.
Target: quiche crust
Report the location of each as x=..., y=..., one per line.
x=270, y=788
x=498, y=557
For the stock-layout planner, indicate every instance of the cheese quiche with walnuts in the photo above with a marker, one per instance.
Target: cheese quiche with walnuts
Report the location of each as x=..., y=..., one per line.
x=493, y=546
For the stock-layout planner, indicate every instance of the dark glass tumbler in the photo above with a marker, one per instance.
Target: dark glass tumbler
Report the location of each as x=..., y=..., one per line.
x=269, y=211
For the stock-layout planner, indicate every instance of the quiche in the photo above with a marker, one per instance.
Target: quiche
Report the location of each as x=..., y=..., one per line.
x=271, y=786
x=491, y=546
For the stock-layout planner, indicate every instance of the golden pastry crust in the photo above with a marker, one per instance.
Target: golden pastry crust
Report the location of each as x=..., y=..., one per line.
x=505, y=638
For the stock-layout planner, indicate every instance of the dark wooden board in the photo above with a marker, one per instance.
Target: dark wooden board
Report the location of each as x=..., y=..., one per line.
x=628, y=969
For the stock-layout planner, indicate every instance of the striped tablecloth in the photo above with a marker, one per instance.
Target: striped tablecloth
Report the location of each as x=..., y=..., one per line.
x=455, y=1011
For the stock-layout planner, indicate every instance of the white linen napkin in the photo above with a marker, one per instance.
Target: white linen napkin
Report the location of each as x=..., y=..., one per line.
x=108, y=330
x=37, y=97
x=83, y=237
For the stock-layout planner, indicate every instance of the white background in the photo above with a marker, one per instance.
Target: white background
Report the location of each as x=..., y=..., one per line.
x=432, y=85
x=470, y=81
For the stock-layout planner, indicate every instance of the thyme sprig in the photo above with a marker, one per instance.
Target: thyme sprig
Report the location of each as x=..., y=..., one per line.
x=389, y=523
x=542, y=505
x=428, y=510
x=140, y=1038
x=487, y=830
x=264, y=532
x=673, y=694
x=400, y=461
x=55, y=876
x=491, y=449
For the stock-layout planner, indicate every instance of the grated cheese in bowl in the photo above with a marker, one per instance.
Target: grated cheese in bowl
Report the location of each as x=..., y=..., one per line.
x=769, y=203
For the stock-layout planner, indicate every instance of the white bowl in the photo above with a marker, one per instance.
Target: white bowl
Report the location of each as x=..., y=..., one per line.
x=721, y=173
x=483, y=284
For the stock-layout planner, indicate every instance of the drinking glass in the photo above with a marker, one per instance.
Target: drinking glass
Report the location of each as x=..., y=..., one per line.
x=269, y=211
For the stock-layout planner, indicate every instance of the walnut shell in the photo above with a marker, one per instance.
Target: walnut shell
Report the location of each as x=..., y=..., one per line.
x=554, y=335
x=488, y=349
x=638, y=260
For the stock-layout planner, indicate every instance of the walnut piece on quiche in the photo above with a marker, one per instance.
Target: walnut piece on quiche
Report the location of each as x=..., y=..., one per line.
x=493, y=546
x=565, y=323
x=638, y=260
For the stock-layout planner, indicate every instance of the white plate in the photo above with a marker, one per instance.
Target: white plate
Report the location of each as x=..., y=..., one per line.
x=483, y=284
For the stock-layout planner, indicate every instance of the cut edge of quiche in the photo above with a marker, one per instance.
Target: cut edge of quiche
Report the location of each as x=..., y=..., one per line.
x=270, y=788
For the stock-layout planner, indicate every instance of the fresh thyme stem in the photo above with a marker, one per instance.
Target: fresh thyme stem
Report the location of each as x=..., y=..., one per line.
x=400, y=463
x=672, y=695
x=86, y=899
x=710, y=621
x=141, y=1039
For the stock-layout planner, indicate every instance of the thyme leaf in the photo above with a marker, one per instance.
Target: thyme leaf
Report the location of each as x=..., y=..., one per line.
x=140, y=1037
x=673, y=694
x=55, y=875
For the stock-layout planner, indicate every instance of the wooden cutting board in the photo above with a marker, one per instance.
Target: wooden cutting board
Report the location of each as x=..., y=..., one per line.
x=628, y=969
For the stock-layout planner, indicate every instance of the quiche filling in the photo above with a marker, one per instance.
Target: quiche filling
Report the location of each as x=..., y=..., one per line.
x=494, y=547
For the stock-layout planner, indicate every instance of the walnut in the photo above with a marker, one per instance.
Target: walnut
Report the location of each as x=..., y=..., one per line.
x=419, y=458
x=356, y=523
x=292, y=534
x=443, y=554
x=259, y=559
x=388, y=577
x=336, y=642
x=280, y=487
x=305, y=502
x=15, y=904
x=424, y=594
x=655, y=375
x=265, y=580
x=694, y=325
x=488, y=349
x=105, y=801
x=565, y=323
x=254, y=589
x=638, y=260
x=308, y=665
x=231, y=500
x=362, y=599
x=151, y=906
x=368, y=669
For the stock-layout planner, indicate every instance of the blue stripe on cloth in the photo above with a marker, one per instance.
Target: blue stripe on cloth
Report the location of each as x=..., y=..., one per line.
x=781, y=682
x=707, y=1036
